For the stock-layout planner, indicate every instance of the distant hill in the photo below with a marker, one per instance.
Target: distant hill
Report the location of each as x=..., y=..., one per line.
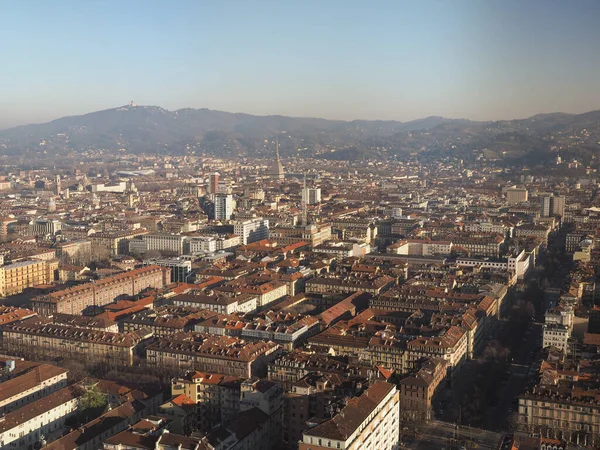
x=151, y=129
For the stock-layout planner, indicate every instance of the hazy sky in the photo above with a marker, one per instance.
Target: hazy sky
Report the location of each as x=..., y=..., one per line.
x=480, y=59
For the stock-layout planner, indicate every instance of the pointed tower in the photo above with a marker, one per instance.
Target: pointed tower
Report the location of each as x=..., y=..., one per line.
x=276, y=171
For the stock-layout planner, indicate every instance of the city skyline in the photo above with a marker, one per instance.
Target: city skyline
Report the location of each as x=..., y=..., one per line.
x=391, y=61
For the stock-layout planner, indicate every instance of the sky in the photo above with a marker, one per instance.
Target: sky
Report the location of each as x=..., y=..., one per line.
x=402, y=60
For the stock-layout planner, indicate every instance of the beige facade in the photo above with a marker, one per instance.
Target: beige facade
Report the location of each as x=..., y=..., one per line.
x=76, y=299
x=33, y=337
x=16, y=277
x=220, y=354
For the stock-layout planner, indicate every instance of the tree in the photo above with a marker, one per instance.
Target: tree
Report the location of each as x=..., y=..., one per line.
x=92, y=398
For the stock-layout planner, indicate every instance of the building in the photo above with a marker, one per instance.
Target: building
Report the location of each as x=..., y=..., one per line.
x=202, y=244
x=44, y=226
x=368, y=422
x=480, y=246
x=16, y=277
x=372, y=284
x=451, y=347
x=252, y=230
x=24, y=427
x=552, y=206
x=37, y=337
x=213, y=183
x=221, y=304
x=33, y=383
x=276, y=170
x=216, y=396
x=112, y=243
x=74, y=300
x=311, y=196
x=516, y=195
x=417, y=391
x=74, y=252
x=169, y=244
x=555, y=335
x=180, y=268
x=317, y=396
x=208, y=353
x=420, y=247
x=223, y=204
x=530, y=230
x=314, y=234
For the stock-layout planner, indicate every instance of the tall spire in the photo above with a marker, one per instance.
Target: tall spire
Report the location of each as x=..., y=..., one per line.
x=276, y=171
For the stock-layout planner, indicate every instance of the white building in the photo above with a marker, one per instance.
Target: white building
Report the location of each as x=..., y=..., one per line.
x=252, y=230
x=120, y=186
x=518, y=264
x=170, y=243
x=419, y=247
x=311, y=196
x=555, y=335
x=223, y=206
x=200, y=244
x=33, y=384
x=24, y=427
x=44, y=226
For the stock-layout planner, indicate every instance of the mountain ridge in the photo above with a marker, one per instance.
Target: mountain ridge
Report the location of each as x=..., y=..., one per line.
x=153, y=129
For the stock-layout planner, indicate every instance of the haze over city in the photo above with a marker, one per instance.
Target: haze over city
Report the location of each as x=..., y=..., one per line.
x=210, y=239
x=402, y=60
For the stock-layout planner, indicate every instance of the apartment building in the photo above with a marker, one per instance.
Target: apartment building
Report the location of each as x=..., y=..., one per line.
x=311, y=196
x=480, y=246
x=531, y=230
x=75, y=252
x=252, y=230
x=563, y=405
x=216, y=396
x=201, y=244
x=30, y=385
x=223, y=206
x=501, y=228
x=515, y=195
x=372, y=284
x=16, y=277
x=112, y=243
x=316, y=396
x=265, y=291
x=314, y=234
x=420, y=247
x=556, y=335
x=171, y=244
x=180, y=268
x=451, y=347
x=386, y=352
x=343, y=249
x=220, y=354
x=219, y=303
x=367, y=422
x=287, y=333
x=24, y=427
x=42, y=338
x=417, y=390
x=74, y=300
x=44, y=226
